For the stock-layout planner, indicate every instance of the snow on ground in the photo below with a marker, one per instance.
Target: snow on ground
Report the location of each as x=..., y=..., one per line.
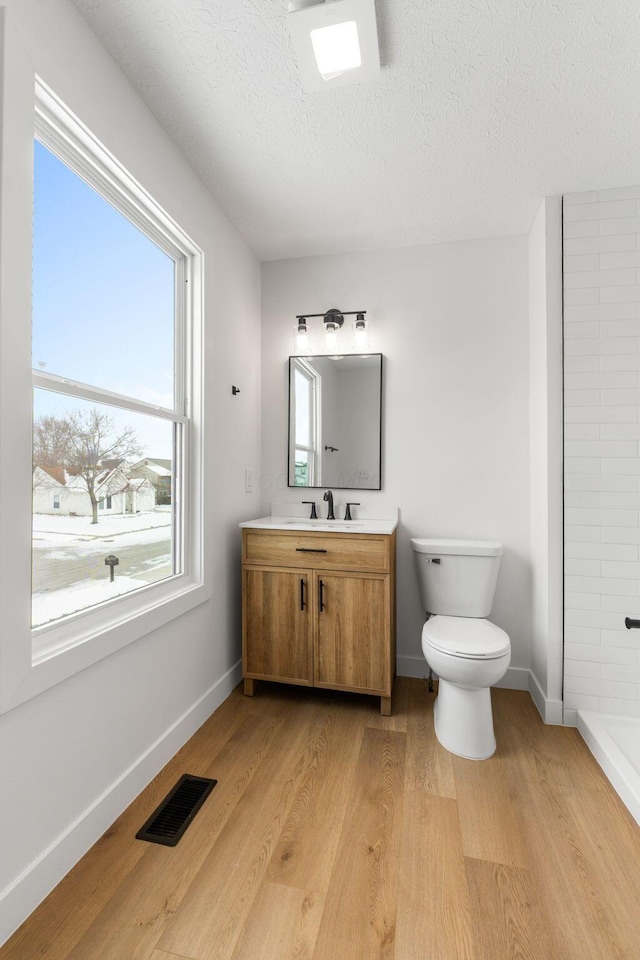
x=51, y=532
x=86, y=593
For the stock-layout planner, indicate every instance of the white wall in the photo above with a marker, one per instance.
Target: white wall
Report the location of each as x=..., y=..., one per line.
x=602, y=455
x=545, y=418
x=452, y=323
x=76, y=755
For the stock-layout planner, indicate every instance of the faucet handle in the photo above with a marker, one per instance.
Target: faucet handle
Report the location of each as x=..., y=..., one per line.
x=313, y=515
x=347, y=512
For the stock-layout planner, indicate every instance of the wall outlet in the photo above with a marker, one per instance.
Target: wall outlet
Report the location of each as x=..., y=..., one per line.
x=363, y=474
x=249, y=480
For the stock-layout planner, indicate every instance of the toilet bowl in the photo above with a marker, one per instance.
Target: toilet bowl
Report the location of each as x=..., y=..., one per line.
x=457, y=580
x=469, y=656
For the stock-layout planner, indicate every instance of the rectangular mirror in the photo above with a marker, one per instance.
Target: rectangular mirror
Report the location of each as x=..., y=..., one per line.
x=335, y=408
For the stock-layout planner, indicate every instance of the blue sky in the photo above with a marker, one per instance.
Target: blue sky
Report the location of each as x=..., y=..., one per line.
x=103, y=296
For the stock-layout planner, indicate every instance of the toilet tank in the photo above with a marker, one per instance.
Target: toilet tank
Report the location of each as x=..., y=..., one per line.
x=457, y=578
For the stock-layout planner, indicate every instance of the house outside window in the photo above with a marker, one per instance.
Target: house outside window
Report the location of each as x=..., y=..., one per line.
x=56, y=501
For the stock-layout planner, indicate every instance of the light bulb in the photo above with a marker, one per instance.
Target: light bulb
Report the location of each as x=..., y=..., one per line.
x=302, y=337
x=330, y=336
x=360, y=333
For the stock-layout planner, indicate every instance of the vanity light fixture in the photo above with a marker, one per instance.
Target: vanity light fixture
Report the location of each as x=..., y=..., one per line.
x=333, y=321
x=336, y=41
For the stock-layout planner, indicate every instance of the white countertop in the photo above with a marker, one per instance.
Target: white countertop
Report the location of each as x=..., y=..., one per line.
x=364, y=525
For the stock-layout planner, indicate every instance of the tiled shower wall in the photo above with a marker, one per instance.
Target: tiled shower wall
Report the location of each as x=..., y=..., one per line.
x=602, y=450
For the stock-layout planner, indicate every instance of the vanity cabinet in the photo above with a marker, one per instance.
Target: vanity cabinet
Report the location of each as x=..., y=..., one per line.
x=318, y=609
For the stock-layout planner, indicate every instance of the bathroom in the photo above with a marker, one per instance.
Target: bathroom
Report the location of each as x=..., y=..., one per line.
x=470, y=332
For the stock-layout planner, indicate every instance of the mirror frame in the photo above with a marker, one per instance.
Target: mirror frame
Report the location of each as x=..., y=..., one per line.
x=325, y=356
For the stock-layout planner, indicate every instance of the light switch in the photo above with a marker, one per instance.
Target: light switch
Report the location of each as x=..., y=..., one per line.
x=248, y=480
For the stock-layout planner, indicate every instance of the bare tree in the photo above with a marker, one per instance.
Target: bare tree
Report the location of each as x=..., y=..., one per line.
x=85, y=444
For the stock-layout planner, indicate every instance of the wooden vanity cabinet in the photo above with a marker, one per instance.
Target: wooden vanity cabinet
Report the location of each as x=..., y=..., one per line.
x=318, y=609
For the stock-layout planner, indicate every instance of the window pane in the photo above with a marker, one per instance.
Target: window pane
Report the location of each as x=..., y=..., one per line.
x=303, y=409
x=103, y=292
x=301, y=469
x=103, y=486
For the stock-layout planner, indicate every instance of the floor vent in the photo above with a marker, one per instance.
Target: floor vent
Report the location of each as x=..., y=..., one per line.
x=170, y=820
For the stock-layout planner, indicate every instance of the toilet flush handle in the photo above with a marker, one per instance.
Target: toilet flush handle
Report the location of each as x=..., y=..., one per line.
x=432, y=560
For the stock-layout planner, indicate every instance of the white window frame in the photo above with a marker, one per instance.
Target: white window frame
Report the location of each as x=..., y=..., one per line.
x=33, y=661
x=312, y=450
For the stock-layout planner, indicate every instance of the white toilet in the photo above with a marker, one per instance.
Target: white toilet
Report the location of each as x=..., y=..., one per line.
x=457, y=580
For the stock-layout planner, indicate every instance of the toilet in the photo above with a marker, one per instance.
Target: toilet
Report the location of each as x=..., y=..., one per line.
x=457, y=580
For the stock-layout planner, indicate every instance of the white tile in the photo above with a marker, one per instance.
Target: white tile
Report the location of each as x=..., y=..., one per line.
x=581, y=296
x=603, y=551
x=609, y=586
x=610, y=518
x=578, y=701
x=599, y=244
x=600, y=278
x=601, y=379
x=601, y=448
x=581, y=465
x=574, y=634
x=604, y=619
x=580, y=329
x=628, y=606
x=620, y=431
x=582, y=568
x=623, y=708
x=624, y=638
x=620, y=328
x=581, y=347
x=582, y=364
x=601, y=311
x=618, y=398
x=582, y=431
x=615, y=690
x=622, y=294
x=587, y=228
x=598, y=654
x=586, y=261
x=583, y=685
x=601, y=415
x=620, y=501
x=622, y=673
x=590, y=482
x=617, y=225
x=620, y=535
x=605, y=210
x=618, y=466
x=582, y=668
x=618, y=261
x=629, y=571
x=618, y=193
x=579, y=499
x=581, y=534
x=630, y=361
x=581, y=601
x=588, y=196
x=583, y=398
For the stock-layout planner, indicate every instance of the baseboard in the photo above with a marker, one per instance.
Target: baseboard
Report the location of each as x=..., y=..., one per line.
x=516, y=678
x=23, y=895
x=549, y=710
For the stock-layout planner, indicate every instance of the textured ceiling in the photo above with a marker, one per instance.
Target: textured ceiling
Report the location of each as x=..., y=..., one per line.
x=482, y=107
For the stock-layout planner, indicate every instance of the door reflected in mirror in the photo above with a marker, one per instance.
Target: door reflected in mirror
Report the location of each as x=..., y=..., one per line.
x=335, y=407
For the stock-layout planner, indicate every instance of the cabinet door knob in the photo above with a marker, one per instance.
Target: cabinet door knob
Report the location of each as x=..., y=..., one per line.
x=321, y=597
x=302, y=593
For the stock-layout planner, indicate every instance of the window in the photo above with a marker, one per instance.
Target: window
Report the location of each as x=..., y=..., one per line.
x=116, y=340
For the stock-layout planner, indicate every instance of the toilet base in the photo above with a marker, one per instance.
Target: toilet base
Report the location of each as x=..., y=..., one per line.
x=464, y=720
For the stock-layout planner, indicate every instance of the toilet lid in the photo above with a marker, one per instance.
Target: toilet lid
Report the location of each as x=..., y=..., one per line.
x=466, y=637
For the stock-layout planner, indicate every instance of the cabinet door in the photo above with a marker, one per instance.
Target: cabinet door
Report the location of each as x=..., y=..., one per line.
x=353, y=635
x=277, y=622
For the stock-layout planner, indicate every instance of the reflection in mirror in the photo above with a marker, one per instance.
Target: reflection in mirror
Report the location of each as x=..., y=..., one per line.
x=335, y=421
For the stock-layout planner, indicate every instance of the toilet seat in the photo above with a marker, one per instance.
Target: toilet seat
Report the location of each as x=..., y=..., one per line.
x=466, y=637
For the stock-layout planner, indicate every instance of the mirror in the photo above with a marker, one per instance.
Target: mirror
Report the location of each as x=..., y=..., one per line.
x=335, y=406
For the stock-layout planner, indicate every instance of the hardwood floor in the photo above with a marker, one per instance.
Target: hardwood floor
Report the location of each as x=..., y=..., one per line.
x=337, y=834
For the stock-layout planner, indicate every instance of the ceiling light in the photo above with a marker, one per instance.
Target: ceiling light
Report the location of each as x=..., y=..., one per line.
x=336, y=42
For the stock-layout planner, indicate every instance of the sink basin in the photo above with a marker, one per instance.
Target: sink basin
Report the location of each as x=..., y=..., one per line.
x=335, y=525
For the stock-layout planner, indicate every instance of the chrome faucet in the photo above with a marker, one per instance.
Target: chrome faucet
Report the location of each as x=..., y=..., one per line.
x=329, y=498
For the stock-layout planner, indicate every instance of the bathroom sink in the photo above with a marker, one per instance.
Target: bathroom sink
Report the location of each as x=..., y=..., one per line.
x=337, y=526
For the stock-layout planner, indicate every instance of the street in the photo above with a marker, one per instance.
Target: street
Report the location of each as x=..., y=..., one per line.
x=68, y=565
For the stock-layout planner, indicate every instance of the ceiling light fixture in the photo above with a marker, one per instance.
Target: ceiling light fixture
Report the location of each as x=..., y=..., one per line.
x=336, y=41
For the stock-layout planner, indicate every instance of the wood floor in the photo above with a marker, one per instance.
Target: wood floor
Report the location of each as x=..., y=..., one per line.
x=338, y=834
